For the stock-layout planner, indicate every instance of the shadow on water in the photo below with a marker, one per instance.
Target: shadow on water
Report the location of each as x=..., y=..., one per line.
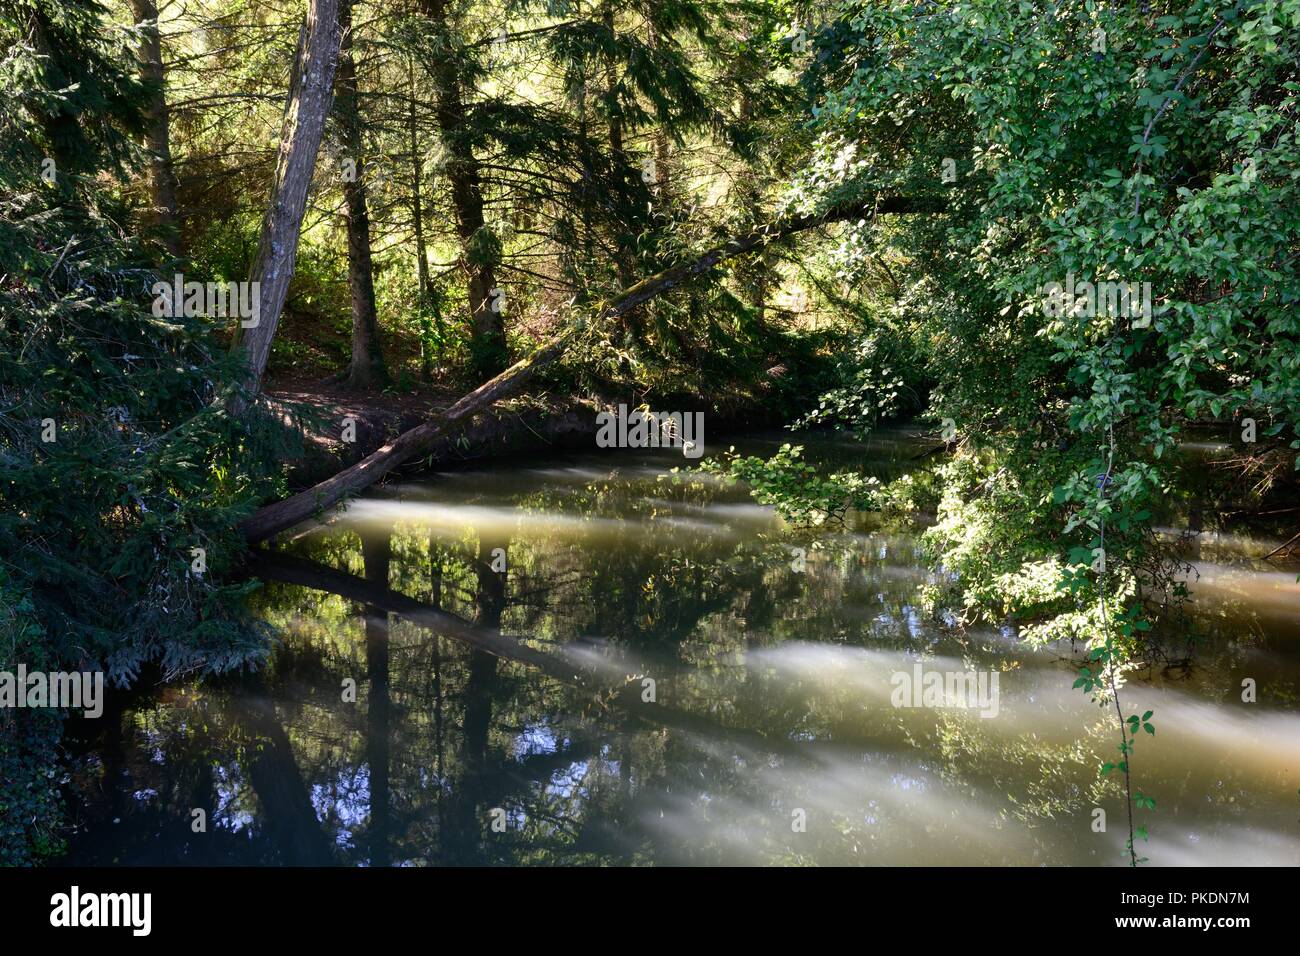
x=575, y=661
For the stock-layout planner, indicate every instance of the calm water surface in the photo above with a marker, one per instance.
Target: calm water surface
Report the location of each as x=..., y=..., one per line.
x=422, y=708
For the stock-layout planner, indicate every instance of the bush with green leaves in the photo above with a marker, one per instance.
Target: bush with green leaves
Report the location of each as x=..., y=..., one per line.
x=29, y=738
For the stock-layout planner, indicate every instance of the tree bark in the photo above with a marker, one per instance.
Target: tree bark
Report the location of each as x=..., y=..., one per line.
x=285, y=514
x=425, y=298
x=367, y=369
x=161, y=176
x=623, y=266
x=488, y=352
x=304, y=123
x=662, y=152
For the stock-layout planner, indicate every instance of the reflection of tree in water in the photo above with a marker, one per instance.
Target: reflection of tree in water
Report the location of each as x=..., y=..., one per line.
x=377, y=553
x=449, y=733
x=220, y=750
x=545, y=785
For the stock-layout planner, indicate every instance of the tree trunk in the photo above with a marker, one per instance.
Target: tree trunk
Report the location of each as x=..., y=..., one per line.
x=588, y=188
x=623, y=264
x=488, y=353
x=367, y=369
x=277, y=517
x=161, y=177
x=662, y=154
x=421, y=251
x=304, y=123
x=756, y=278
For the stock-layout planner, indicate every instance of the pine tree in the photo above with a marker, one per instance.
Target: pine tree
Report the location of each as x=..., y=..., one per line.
x=114, y=464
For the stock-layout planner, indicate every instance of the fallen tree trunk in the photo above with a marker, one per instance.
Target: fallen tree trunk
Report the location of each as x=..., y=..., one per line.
x=1293, y=542
x=285, y=514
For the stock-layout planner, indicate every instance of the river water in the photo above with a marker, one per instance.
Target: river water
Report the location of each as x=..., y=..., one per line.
x=660, y=677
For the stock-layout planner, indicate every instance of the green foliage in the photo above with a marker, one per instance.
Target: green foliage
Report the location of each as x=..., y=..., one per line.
x=869, y=391
x=29, y=792
x=224, y=249
x=98, y=524
x=116, y=460
x=73, y=84
x=801, y=494
x=1167, y=153
x=918, y=491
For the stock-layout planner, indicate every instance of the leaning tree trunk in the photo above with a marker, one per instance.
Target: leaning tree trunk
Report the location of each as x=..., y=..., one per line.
x=277, y=517
x=161, y=177
x=367, y=369
x=488, y=352
x=304, y=123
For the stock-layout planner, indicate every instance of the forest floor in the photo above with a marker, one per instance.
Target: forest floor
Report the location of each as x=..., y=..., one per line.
x=331, y=401
x=304, y=388
x=322, y=410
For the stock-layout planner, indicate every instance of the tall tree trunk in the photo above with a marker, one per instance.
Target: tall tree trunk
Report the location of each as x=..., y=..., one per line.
x=663, y=163
x=662, y=152
x=161, y=177
x=588, y=190
x=754, y=280
x=304, y=123
x=623, y=263
x=277, y=517
x=425, y=297
x=488, y=353
x=367, y=369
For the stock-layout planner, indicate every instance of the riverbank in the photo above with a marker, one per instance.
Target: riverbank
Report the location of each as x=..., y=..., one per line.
x=319, y=415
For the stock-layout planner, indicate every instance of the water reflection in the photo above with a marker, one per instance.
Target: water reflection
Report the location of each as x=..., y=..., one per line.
x=651, y=680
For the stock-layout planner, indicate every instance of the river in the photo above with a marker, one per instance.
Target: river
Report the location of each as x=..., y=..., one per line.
x=659, y=676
